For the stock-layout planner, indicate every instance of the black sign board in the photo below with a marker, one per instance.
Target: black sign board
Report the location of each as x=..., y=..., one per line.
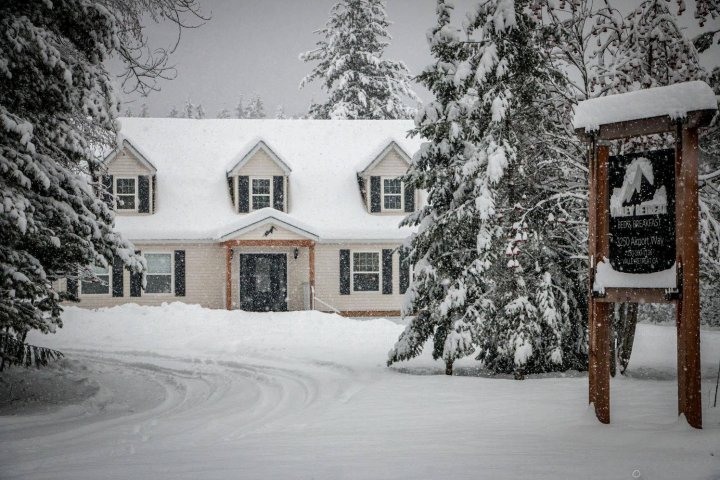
x=642, y=211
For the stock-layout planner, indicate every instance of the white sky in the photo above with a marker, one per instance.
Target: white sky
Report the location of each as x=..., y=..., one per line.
x=252, y=46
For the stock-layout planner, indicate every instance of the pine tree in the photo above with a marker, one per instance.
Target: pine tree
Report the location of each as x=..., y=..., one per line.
x=174, y=112
x=360, y=84
x=188, y=109
x=58, y=110
x=128, y=112
x=224, y=113
x=200, y=111
x=280, y=113
x=255, y=108
x=143, y=111
x=240, y=108
x=484, y=277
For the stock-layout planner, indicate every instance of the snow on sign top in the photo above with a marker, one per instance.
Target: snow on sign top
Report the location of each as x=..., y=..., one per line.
x=675, y=101
x=323, y=157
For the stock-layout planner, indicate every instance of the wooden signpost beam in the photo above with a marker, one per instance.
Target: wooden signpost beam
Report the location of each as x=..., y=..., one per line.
x=688, y=306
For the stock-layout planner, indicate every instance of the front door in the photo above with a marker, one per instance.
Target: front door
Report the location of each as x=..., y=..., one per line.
x=263, y=282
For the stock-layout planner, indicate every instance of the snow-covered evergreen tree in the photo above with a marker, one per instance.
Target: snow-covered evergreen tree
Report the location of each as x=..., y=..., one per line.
x=359, y=82
x=255, y=108
x=240, y=108
x=188, y=109
x=128, y=112
x=484, y=277
x=58, y=110
x=143, y=111
x=280, y=113
x=200, y=111
x=174, y=112
x=224, y=113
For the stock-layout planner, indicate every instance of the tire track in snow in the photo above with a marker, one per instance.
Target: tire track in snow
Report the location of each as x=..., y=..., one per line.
x=148, y=403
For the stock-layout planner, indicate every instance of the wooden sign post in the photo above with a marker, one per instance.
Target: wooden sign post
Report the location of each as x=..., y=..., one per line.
x=643, y=225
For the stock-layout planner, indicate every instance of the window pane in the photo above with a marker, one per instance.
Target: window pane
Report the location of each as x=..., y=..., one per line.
x=125, y=186
x=392, y=202
x=366, y=262
x=158, y=262
x=366, y=282
x=392, y=186
x=260, y=201
x=261, y=185
x=157, y=284
x=102, y=286
x=126, y=202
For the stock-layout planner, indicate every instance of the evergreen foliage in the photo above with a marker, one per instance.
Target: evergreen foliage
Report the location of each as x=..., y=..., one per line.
x=255, y=108
x=57, y=111
x=359, y=82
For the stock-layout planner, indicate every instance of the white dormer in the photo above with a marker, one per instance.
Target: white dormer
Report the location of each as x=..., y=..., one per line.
x=258, y=179
x=129, y=181
x=380, y=182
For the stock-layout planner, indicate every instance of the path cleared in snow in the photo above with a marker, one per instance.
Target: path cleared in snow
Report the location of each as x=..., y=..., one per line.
x=180, y=392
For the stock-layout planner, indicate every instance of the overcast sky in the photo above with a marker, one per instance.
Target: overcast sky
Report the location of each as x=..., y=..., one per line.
x=252, y=46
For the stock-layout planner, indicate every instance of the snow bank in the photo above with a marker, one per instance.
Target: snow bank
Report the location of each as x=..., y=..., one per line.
x=674, y=100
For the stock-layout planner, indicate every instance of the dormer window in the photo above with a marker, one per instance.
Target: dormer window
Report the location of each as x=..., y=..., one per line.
x=126, y=193
x=261, y=193
x=392, y=193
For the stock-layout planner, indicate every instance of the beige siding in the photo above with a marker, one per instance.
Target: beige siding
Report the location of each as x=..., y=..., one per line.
x=327, y=281
x=125, y=164
x=261, y=165
x=298, y=271
x=392, y=165
x=278, y=233
x=204, y=279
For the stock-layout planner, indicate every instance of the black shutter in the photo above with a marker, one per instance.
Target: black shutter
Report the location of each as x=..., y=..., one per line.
x=344, y=272
x=409, y=198
x=279, y=193
x=72, y=287
x=144, y=194
x=136, y=281
x=243, y=194
x=154, y=193
x=404, y=271
x=231, y=189
x=387, y=271
x=375, y=194
x=107, y=182
x=117, y=277
x=179, y=273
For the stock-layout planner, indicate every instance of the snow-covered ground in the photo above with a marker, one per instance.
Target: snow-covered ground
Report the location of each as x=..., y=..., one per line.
x=180, y=392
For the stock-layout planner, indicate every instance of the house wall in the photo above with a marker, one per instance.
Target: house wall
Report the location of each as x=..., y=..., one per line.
x=327, y=281
x=204, y=279
x=392, y=165
x=298, y=271
x=125, y=164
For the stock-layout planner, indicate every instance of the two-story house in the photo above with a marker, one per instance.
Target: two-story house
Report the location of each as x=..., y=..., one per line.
x=261, y=215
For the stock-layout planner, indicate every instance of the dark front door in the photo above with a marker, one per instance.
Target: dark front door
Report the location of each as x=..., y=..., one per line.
x=263, y=282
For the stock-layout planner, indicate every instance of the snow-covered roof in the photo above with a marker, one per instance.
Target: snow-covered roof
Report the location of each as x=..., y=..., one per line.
x=675, y=101
x=192, y=158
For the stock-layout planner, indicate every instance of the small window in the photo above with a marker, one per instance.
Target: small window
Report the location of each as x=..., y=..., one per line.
x=366, y=271
x=392, y=194
x=159, y=273
x=101, y=286
x=126, y=193
x=260, y=193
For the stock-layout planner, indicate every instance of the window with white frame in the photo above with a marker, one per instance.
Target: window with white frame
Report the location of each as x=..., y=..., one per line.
x=101, y=286
x=261, y=193
x=366, y=271
x=158, y=278
x=392, y=192
x=126, y=193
